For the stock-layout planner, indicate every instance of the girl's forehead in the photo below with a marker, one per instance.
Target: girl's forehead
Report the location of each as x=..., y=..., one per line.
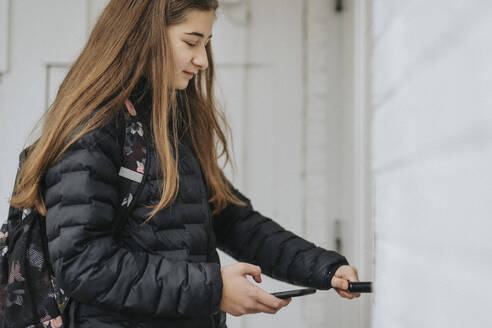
x=198, y=21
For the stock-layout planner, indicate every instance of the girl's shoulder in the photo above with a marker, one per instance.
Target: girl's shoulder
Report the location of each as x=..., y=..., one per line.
x=111, y=136
x=105, y=138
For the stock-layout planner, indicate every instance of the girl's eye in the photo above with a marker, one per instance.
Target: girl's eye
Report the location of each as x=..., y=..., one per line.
x=190, y=44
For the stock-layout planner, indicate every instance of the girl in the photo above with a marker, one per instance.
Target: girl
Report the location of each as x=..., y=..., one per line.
x=155, y=56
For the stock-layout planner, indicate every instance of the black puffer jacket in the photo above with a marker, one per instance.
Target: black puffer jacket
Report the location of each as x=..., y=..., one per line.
x=166, y=273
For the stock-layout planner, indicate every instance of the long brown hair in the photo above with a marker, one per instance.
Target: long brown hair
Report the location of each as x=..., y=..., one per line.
x=128, y=45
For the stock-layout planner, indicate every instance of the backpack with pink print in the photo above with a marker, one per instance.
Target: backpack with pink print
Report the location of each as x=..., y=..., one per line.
x=29, y=295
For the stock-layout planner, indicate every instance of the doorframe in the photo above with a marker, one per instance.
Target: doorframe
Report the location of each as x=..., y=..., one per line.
x=363, y=227
x=357, y=49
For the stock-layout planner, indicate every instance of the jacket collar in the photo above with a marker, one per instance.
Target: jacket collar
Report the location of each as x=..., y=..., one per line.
x=141, y=98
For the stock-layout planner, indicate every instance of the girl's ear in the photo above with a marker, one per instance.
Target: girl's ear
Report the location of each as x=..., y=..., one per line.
x=130, y=108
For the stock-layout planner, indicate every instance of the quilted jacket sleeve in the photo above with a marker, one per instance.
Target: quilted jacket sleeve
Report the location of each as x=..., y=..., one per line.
x=82, y=198
x=251, y=237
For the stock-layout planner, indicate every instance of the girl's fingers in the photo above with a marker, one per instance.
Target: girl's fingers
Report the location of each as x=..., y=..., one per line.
x=253, y=270
x=270, y=300
x=355, y=275
x=339, y=283
x=347, y=272
x=345, y=294
x=257, y=278
x=265, y=309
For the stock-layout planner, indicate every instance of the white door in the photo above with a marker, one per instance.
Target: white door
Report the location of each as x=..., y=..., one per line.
x=287, y=71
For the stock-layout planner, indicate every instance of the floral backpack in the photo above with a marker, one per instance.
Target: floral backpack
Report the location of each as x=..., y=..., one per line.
x=29, y=295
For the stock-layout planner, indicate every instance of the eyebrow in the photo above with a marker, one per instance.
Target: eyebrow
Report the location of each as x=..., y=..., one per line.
x=199, y=34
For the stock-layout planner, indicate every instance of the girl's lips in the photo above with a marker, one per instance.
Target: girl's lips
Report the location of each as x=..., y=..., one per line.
x=188, y=74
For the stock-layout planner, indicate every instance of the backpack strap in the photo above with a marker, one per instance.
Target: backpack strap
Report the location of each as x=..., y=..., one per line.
x=134, y=165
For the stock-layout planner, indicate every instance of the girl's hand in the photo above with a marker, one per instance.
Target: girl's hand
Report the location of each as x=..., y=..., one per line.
x=239, y=296
x=340, y=281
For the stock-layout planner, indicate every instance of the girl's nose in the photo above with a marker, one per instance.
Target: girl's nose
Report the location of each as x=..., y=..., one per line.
x=200, y=59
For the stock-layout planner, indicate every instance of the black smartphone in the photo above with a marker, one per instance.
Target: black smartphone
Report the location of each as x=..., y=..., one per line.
x=294, y=293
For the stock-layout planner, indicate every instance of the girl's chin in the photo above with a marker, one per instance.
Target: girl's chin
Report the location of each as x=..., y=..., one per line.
x=181, y=85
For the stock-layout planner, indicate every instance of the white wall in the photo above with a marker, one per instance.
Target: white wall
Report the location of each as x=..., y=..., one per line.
x=4, y=35
x=432, y=160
